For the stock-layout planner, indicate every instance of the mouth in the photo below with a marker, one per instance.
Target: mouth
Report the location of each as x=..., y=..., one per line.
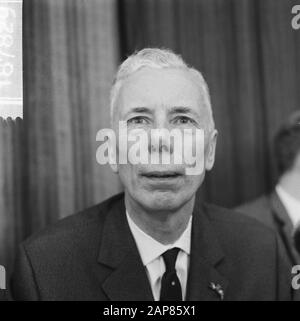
x=161, y=175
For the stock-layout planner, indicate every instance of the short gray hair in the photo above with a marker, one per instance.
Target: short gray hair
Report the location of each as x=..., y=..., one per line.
x=157, y=58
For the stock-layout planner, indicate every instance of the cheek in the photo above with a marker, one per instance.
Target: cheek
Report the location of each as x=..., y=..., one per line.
x=128, y=176
x=192, y=182
x=193, y=144
x=125, y=174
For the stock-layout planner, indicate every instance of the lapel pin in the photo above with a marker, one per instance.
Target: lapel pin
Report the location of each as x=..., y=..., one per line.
x=218, y=289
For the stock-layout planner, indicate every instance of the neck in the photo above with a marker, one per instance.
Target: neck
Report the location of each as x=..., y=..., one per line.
x=290, y=182
x=164, y=226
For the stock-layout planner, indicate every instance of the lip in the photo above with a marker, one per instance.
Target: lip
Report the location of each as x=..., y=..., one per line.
x=162, y=175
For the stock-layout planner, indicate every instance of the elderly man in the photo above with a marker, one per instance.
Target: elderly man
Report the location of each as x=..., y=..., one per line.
x=156, y=241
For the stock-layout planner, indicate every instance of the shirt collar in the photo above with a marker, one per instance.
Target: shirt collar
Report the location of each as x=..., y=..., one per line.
x=150, y=249
x=291, y=204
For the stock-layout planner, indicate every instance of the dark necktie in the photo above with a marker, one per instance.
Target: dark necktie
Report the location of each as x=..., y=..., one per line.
x=297, y=238
x=170, y=284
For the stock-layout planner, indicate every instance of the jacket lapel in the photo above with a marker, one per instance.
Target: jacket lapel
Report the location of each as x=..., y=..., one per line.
x=205, y=281
x=285, y=226
x=128, y=280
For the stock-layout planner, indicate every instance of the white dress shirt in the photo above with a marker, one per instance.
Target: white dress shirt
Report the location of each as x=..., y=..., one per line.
x=291, y=204
x=151, y=254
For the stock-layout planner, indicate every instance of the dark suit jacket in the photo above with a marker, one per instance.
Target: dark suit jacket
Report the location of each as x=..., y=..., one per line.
x=93, y=256
x=271, y=212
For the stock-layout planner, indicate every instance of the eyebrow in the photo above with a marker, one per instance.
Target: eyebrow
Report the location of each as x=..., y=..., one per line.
x=181, y=110
x=173, y=110
x=139, y=110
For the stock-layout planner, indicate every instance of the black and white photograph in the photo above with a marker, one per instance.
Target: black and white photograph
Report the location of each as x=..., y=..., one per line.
x=150, y=151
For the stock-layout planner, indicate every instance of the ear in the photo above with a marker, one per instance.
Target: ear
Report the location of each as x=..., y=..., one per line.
x=211, y=150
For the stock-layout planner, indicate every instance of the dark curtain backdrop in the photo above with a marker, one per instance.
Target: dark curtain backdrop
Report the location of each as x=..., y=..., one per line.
x=246, y=49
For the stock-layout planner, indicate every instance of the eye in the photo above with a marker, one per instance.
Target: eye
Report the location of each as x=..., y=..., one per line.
x=182, y=120
x=138, y=120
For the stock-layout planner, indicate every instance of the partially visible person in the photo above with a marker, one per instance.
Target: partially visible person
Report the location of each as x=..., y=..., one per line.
x=280, y=210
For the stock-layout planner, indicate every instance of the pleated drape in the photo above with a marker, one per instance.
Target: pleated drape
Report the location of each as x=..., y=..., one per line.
x=70, y=56
x=11, y=188
x=48, y=159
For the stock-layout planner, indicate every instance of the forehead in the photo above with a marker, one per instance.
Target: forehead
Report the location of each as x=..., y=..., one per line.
x=151, y=87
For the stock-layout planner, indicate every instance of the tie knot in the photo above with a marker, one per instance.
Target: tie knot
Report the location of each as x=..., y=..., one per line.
x=170, y=257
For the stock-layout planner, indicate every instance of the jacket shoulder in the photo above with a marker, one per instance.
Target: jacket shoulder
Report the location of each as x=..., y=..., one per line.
x=235, y=216
x=259, y=209
x=77, y=228
x=232, y=224
x=260, y=203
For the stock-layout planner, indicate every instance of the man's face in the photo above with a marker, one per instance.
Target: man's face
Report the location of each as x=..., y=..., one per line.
x=170, y=99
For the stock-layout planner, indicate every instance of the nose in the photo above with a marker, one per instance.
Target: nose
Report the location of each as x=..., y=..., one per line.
x=160, y=141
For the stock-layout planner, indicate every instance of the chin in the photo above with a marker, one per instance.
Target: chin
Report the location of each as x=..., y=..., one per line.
x=161, y=201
